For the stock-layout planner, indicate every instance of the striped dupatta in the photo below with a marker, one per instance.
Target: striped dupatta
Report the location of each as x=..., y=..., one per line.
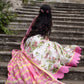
x=22, y=69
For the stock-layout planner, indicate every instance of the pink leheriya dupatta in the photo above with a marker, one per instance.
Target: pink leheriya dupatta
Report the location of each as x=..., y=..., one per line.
x=22, y=69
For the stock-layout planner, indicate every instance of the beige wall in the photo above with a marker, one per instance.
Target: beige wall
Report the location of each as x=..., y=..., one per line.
x=15, y=4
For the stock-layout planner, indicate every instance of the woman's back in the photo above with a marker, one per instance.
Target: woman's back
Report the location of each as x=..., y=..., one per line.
x=41, y=61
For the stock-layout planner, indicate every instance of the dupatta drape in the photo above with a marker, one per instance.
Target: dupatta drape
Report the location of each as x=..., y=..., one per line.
x=22, y=69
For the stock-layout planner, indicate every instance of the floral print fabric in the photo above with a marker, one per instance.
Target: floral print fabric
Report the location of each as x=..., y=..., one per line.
x=49, y=55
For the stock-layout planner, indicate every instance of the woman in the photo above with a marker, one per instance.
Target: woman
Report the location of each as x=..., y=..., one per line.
x=41, y=61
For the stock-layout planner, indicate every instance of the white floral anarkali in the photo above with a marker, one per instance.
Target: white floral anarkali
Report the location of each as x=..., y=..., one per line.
x=49, y=55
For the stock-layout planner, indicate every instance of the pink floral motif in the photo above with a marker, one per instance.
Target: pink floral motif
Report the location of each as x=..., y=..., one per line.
x=43, y=41
x=58, y=60
x=32, y=56
x=29, y=49
x=38, y=61
x=48, y=47
x=49, y=57
x=55, y=65
x=46, y=55
x=35, y=44
x=53, y=58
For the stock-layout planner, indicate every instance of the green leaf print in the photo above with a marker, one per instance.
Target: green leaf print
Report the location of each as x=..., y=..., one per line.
x=54, y=69
x=49, y=66
x=41, y=56
x=55, y=47
x=48, y=45
x=37, y=53
x=42, y=65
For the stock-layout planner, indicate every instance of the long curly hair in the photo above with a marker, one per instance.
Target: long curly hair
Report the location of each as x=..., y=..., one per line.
x=43, y=22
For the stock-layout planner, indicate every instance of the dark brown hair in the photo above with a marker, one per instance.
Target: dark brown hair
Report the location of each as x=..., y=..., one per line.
x=43, y=22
